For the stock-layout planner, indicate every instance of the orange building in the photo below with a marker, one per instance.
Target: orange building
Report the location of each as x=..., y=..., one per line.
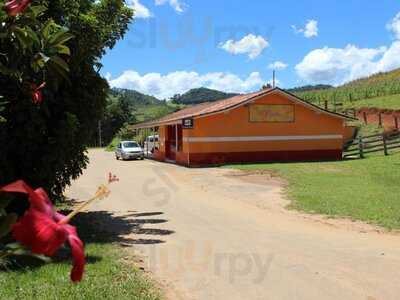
x=269, y=125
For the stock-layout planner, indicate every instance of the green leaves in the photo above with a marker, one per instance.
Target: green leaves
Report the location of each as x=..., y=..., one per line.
x=42, y=143
x=61, y=49
x=17, y=249
x=3, y=14
x=54, y=38
x=59, y=66
x=6, y=220
x=6, y=223
x=60, y=38
x=36, y=11
x=22, y=36
x=54, y=35
x=44, y=45
x=33, y=36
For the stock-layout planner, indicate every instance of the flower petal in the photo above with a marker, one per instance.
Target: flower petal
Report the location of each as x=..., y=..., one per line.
x=18, y=186
x=42, y=202
x=58, y=217
x=78, y=253
x=38, y=198
x=15, y=7
x=40, y=233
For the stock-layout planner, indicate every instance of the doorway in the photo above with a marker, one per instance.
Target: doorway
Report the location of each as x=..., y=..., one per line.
x=173, y=143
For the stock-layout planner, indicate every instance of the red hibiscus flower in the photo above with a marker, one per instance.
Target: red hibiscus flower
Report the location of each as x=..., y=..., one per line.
x=37, y=97
x=15, y=7
x=43, y=230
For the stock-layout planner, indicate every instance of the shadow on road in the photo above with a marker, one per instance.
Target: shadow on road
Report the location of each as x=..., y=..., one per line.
x=128, y=229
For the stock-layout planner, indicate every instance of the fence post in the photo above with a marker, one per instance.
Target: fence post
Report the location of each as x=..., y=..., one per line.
x=361, y=147
x=385, y=149
x=365, y=118
x=326, y=104
x=380, y=119
x=396, y=122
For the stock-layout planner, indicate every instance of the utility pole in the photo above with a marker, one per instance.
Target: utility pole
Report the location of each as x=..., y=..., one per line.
x=99, y=130
x=273, y=79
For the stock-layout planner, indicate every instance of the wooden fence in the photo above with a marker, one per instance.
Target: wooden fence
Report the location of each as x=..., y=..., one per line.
x=386, y=143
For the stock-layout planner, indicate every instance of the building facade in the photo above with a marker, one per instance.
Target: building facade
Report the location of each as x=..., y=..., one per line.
x=270, y=125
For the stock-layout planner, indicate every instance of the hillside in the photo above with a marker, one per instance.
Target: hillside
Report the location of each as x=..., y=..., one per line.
x=307, y=88
x=381, y=86
x=143, y=107
x=126, y=107
x=134, y=98
x=200, y=95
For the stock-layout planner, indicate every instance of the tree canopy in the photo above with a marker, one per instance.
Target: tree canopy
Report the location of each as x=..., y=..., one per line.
x=50, y=86
x=200, y=95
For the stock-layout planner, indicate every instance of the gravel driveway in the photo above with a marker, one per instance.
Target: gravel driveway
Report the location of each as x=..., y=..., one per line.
x=221, y=234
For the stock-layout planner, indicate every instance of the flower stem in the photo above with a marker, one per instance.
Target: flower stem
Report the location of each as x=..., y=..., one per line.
x=102, y=192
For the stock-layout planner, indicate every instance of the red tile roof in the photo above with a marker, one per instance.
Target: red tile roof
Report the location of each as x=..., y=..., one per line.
x=219, y=106
x=202, y=109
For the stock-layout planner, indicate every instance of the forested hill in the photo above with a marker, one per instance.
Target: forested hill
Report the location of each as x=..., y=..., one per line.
x=307, y=88
x=134, y=98
x=200, y=95
x=126, y=107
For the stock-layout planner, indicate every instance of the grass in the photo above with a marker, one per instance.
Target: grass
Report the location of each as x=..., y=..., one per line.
x=370, y=129
x=113, y=145
x=385, y=102
x=106, y=278
x=366, y=190
x=108, y=275
x=152, y=112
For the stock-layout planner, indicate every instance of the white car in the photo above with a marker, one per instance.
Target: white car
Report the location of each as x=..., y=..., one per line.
x=129, y=150
x=151, y=144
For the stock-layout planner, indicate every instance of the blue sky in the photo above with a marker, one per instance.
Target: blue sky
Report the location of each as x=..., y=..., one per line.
x=175, y=45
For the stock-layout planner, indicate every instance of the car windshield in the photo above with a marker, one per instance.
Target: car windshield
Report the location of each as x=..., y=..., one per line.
x=130, y=145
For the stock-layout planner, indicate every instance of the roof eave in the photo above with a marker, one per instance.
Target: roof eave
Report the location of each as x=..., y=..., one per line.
x=254, y=98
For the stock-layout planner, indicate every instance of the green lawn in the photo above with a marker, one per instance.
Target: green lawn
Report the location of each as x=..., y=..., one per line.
x=106, y=277
x=370, y=129
x=109, y=274
x=366, y=190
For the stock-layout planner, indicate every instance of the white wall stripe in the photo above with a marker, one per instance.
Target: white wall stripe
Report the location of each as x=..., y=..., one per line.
x=262, y=138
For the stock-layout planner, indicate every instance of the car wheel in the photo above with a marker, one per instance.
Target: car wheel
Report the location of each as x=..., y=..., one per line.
x=116, y=157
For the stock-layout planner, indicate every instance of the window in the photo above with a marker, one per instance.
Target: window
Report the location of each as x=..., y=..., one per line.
x=131, y=145
x=273, y=113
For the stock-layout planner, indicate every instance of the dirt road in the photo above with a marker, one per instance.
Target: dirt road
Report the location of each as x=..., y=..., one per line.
x=214, y=234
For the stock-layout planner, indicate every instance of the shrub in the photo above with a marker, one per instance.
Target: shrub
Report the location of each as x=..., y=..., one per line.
x=45, y=144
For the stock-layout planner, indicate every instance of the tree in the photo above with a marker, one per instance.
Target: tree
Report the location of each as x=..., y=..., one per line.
x=117, y=113
x=45, y=144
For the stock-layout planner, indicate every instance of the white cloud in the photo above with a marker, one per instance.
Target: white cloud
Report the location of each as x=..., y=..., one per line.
x=337, y=66
x=175, y=4
x=141, y=11
x=165, y=86
x=278, y=65
x=394, y=26
x=390, y=59
x=309, y=31
x=107, y=76
x=278, y=83
x=251, y=45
